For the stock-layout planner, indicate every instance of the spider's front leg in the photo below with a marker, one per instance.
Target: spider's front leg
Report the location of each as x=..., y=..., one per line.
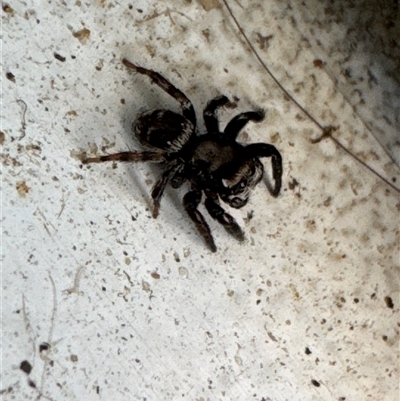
x=191, y=201
x=267, y=150
x=224, y=218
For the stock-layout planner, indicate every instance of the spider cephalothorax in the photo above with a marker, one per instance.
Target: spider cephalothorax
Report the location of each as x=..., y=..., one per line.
x=215, y=165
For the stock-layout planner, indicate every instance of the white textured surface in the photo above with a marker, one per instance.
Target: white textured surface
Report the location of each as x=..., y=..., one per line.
x=81, y=249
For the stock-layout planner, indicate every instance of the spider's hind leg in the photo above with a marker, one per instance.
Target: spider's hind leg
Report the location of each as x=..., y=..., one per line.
x=210, y=113
x=180, y=97
x=133, y=156
x=158, y=190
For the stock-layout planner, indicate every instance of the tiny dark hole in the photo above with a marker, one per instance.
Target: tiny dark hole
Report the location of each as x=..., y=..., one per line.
x=389, y=302
x=315, y=383
x=59, y=57
x=26, y=367
x=10, y=76
x=307, y=351
x=31, y=384
x=44, y=347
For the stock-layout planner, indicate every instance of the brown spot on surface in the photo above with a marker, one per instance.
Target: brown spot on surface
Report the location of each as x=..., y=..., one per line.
x=318, y=63
x=22, y=188
x=83, y=35
x=209, y=4
x=7, y=8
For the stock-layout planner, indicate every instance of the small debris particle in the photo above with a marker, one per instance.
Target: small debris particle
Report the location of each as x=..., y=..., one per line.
x=83, y=35
x=7, y=9
x=2, y=137
x=293, y=184
x=183, y=271
x=73, y=358
x=44, y=347
x=318, y=63
x=307, y=351
x=26, y=367
x=295, y=293
x=389, y=302
x=176, y=257
x=230, y=293
x=155, y=275
x=315, y=383
x=99, y=65
x=22, y=188
x=31, y=384
x=145, y=286
x=59, y=57
x=206, y=34
x=239, y=360
x=10, y=76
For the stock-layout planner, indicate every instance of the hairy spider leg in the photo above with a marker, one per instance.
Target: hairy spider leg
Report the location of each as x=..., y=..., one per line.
x=210, y=113
x=224, y=218
x=237, y=123
x=191, y=201
x=186, y=105
x=159, y=187
x=267, y=150
x=133, y=156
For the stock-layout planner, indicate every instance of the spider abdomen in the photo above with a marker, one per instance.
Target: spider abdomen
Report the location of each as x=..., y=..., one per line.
x=163, y=129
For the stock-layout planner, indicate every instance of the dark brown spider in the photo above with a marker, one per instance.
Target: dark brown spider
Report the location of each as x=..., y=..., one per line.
x=214, y=163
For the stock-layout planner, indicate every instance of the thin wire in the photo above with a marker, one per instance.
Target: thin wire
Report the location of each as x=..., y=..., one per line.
x=326, y=131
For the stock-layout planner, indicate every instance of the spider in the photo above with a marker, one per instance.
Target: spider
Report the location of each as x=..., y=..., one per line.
x=216, y=166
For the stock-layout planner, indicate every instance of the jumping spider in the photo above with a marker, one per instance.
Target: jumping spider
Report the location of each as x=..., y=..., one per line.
x=214, y=163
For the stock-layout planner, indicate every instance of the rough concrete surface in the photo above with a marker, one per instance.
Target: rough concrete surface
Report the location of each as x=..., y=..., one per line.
x=100, y=301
